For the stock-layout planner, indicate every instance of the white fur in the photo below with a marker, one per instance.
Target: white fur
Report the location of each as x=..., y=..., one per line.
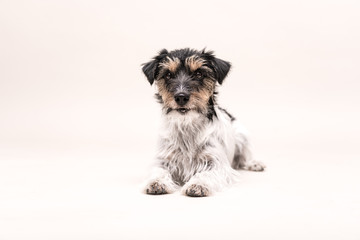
x=195, y=152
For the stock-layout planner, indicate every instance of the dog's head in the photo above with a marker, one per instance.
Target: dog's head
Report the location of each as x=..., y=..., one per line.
x=186, y=78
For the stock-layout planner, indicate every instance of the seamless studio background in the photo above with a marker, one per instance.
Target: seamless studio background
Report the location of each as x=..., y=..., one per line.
x=78, y=121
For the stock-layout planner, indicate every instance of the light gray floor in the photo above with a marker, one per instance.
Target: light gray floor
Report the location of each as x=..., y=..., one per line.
x=89, y=193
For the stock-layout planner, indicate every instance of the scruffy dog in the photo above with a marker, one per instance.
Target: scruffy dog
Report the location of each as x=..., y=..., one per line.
x=200, y=143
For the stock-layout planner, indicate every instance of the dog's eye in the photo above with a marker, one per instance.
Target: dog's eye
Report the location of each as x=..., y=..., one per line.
x=198, y=75
x=168, y=76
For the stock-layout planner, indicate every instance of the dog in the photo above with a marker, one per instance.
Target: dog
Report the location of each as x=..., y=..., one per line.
x=201, y=144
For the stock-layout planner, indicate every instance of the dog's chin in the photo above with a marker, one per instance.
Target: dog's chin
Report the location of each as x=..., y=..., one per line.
x=183, y=111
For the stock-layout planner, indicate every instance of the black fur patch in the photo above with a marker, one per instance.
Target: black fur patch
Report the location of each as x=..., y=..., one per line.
x=219, y=67
x=227, y=113
x=168, y=110
x=159, y=98
x=150, y=69
x=211, y=109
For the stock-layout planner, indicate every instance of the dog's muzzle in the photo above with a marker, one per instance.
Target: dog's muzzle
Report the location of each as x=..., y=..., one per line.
x=182, y=98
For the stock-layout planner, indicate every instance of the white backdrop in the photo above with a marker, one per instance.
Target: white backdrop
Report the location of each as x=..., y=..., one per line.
x=78, y=121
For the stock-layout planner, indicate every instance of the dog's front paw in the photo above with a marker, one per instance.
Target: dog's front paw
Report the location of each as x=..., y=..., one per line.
x=156, y=188
x=255, y=166
x=195, y=190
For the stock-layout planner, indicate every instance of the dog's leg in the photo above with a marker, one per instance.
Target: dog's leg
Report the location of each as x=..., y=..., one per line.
x=242, y=158
x=160, y=182
x=204, y=183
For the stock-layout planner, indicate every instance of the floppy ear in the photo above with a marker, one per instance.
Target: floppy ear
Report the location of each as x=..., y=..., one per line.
x=221, y=69
x=150, y=69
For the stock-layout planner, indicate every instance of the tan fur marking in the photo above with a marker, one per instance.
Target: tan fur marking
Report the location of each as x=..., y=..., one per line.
x=194, y=62
x=171, y=64
x=200, y=99
x=166, y=96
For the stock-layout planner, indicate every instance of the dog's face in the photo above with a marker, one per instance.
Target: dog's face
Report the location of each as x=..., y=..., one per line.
x=186, y=79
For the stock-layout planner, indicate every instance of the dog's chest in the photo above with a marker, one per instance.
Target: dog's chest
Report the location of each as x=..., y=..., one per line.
x=182, y=151
x=183, y=146
x=183, y=160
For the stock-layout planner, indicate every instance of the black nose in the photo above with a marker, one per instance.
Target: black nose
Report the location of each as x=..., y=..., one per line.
x=182, y=98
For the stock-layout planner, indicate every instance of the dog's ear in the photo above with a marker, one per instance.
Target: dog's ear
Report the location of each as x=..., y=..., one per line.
x=221, y=69
x=150, y=69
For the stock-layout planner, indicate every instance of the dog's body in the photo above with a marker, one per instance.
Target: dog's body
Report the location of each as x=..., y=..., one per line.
x=200, y=144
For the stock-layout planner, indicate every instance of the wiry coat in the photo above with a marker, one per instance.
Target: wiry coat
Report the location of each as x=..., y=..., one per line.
x=200, y=143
